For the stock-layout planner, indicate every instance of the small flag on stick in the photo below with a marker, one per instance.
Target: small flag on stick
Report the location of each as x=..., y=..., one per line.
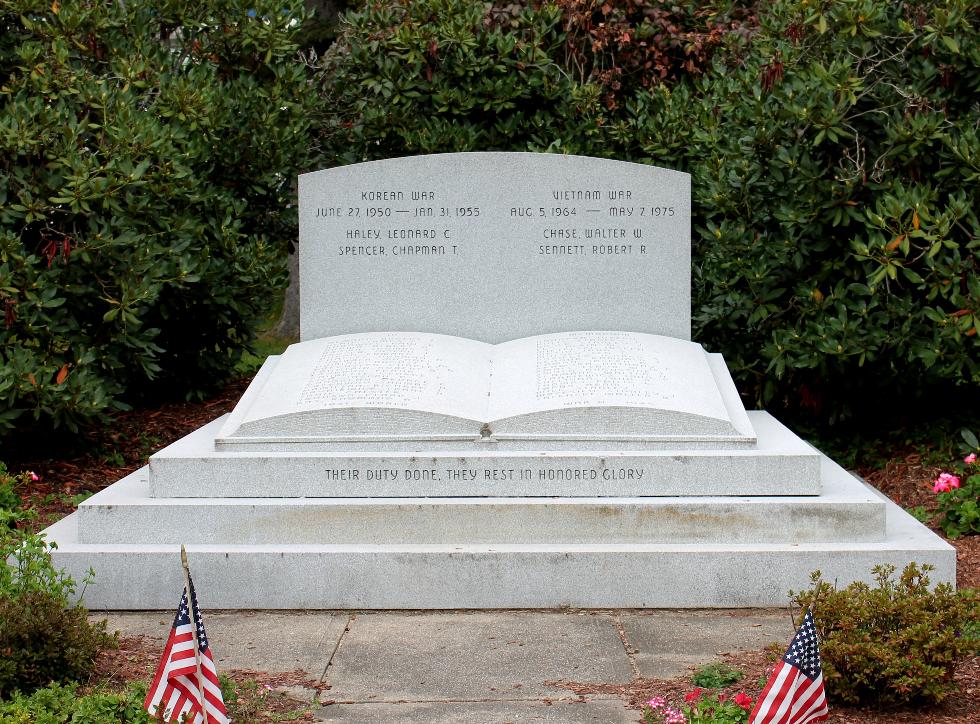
x=187, y=676
x=794, y=693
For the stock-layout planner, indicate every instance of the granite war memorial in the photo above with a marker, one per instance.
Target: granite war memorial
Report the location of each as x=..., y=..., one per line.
x=495, y=403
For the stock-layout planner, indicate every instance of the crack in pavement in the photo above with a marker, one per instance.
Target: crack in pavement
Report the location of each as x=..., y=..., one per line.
x=350, y=621
x=627, y=646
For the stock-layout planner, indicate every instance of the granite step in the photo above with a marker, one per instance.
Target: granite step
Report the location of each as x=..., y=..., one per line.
x=125, y=512
x=779, y=464
x=445, y=576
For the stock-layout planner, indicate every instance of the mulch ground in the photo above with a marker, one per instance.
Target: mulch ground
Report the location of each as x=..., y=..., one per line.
x=960, y=708
x=120, y=448
x=259, y=697
x=115, y=451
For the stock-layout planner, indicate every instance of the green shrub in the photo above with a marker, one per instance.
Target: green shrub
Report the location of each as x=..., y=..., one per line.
x=10, y=501
x=147, y=157
x=44, y=636
x=625, y=45
x=56, y=703
x=895, y=643
x=716, y=676
x=26, y=567
x=713, y=708
x=960, y=509
x=452, y=75
x=43, y=640
x=836, y=182
x=456, y=75
x=701, y=708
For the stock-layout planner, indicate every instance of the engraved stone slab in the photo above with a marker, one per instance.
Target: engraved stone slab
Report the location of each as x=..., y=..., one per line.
x=780, y=463
x=719, y=574
x=126, y=511
x=495, y=246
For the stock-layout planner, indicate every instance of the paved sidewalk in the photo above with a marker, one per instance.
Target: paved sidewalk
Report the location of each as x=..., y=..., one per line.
x=472, y=667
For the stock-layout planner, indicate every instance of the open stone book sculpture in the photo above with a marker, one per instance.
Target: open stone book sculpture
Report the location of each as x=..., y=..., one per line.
x=495, y=403
x=618, y=387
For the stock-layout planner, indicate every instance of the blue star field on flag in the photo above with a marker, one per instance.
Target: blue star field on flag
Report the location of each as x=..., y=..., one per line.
x=804, y=651
x=185, y=687
x=794, y=694
x=183, y=618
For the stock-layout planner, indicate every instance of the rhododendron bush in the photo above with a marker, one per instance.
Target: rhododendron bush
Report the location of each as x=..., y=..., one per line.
x=147, y=157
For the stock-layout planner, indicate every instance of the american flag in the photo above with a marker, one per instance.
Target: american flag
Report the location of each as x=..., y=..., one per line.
x=794, y=693
x=176, y=689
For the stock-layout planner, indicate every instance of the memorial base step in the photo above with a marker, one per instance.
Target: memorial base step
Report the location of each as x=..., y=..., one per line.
x=125, y=512
x=779, y=464
x=146, y=574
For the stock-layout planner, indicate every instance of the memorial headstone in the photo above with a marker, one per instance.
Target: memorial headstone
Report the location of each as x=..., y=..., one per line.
x=496, y=402
x=495, y=247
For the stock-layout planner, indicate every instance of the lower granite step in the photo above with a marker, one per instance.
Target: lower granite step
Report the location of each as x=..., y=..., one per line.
x=444, y=576
x=125, y=512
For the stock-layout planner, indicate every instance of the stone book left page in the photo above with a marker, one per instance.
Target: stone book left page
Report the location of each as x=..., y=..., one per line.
x=392, y=385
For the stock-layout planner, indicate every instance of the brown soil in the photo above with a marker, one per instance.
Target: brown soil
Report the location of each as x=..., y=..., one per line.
x=261, y=697
x=135, y=659
x=115, y=451
x=906, y=480
x=960, y=708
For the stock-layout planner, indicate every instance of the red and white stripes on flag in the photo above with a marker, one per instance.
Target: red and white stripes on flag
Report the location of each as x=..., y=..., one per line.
x=794, y=693
x=176, y=689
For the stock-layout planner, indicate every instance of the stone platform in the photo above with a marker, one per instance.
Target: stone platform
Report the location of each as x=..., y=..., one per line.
x=403, y=549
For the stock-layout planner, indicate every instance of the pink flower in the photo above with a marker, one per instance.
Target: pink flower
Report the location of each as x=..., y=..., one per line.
x=693, y=696
x=34, y=476
x=743, y=700
x=945, y=482
x=656, y=702
x=970, y=459
x=674, y=716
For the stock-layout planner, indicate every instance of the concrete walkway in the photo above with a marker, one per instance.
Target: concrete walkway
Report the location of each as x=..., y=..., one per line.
x=472, y=667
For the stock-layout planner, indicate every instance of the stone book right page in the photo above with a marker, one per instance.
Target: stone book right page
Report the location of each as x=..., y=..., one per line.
x=605, y=385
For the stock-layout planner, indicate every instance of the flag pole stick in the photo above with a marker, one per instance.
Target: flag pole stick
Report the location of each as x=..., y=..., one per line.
x=816, y=592
x=197, y=645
